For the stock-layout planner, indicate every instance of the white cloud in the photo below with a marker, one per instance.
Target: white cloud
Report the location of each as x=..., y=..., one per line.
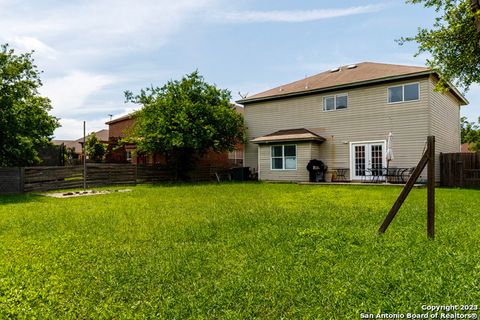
x=72, y=129
x=83, y=46
x=69, y=93
x=297, y=15
x=30, y=43
x=100, y=27
x=129, y=108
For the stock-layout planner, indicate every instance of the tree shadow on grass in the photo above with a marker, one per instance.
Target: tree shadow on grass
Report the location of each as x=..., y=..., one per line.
x=19, y=198
x=187, y=184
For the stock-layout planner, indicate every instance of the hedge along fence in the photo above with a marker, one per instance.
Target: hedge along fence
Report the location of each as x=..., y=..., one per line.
x=37, y=179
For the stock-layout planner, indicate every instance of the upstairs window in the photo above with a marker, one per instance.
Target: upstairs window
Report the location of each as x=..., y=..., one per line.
x=403, y=93
x=338, y=101
x=284, y=157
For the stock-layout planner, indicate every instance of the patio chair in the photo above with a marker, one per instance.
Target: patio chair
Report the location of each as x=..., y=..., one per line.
x=367, y=176
x=341, y=174
x=378, y=173
x=392, y=175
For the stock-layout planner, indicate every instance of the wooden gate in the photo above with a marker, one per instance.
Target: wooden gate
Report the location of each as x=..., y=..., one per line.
x=460, y=169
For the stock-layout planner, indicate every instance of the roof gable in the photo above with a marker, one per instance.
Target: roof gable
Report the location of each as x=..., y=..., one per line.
x=102, y=136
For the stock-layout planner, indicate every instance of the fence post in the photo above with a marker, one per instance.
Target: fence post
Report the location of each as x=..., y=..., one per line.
x=428, y=158
x=431, y=187
x=403, y=195
x=442, y=169
x=136, y=173
x=21, y=182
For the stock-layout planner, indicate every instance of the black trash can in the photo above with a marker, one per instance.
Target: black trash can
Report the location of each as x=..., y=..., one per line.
x=316, y=170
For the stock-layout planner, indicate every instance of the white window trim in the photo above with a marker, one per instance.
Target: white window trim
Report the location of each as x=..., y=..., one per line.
x=334, y=96
x=283, y=157
x=403, y=93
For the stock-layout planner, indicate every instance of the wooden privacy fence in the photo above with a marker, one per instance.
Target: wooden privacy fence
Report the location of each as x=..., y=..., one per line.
x=11, y=180
x=55, y=178
x=152, y=174
x=34, y=179
x=460, y=169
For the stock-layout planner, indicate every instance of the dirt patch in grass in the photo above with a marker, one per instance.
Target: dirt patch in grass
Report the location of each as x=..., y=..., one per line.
x=71, y=194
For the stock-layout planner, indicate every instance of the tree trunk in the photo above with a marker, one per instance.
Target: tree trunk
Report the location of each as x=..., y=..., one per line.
x=475, y=5
x=180, y=161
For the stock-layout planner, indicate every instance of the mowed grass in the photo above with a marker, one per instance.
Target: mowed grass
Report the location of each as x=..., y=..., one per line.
x=234, y=251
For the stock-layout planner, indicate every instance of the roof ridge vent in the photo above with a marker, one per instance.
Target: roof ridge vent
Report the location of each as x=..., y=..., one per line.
x=351, y=66
x=335, y=69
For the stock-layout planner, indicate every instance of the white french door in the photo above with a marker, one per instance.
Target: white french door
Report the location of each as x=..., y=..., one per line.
x=366, y=156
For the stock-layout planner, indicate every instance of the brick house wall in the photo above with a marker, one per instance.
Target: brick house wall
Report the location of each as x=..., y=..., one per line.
x=126, y=153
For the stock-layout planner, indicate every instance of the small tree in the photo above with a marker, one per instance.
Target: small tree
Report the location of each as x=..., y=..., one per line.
x=184, y=118
x=69, y=156
x=94, y=148
x=471, y=133
x=25, y=125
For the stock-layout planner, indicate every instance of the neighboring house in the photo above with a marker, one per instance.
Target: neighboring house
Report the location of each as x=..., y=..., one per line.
x=77, y=145
x=127, y=152
x=121, y=152
x=70, y=144
x=466, y=148
x=343, y=116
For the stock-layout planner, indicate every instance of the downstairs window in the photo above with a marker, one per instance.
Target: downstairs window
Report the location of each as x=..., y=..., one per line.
x=284, y=157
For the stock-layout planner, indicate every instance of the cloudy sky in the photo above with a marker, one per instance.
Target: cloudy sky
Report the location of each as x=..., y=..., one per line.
x=91, y=51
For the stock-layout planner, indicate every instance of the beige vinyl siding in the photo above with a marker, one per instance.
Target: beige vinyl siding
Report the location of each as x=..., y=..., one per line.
x=444, y=123
x=315, y=151
x=304, y=151
x=368, y=117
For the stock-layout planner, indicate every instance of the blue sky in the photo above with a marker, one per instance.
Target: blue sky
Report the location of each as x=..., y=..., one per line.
x=92, y=51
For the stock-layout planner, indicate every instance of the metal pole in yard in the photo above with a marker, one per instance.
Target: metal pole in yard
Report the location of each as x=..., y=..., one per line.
x=84, y=158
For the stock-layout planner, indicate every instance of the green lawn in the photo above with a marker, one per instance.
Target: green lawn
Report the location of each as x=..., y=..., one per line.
x=235, y=251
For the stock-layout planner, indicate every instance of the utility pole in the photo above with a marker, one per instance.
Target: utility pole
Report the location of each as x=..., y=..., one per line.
x=84, y=157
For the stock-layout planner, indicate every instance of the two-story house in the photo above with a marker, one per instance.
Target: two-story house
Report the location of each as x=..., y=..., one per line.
x=343, y=117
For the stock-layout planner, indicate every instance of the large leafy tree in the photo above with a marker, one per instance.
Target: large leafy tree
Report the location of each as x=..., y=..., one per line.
x=25, y=125
x=185, y=118
x=453, y=42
